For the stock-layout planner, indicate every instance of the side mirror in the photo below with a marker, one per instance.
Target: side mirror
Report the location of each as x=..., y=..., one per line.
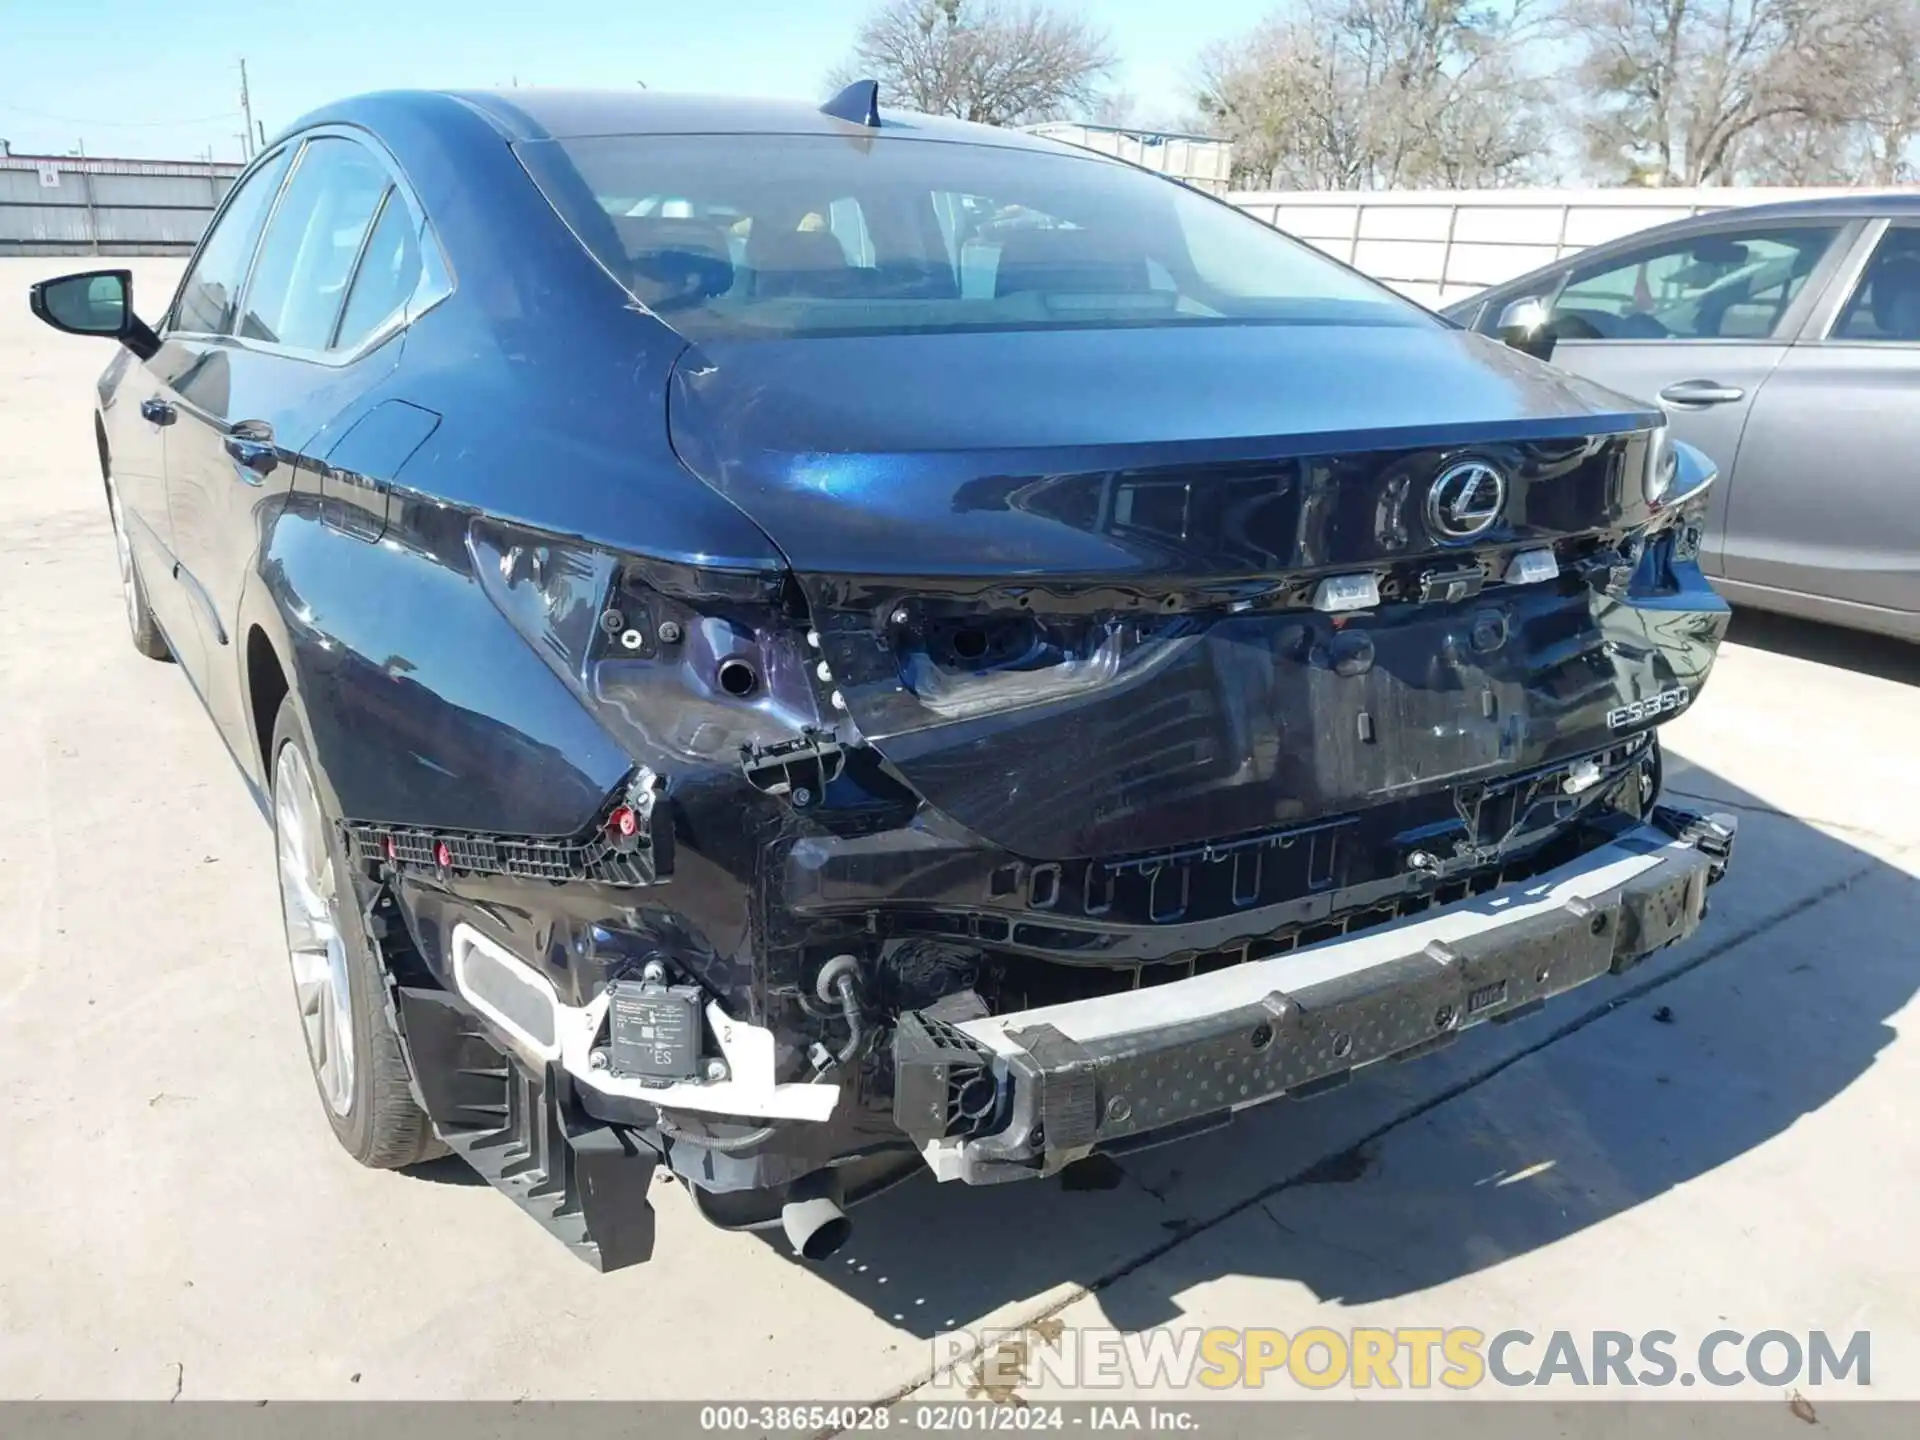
x=95, y=302
x=1525, y=326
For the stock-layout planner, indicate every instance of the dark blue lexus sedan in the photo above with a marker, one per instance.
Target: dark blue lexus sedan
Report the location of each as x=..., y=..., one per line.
x=800, y=645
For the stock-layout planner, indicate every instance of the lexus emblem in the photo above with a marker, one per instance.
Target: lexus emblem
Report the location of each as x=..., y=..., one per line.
x=1466, y=500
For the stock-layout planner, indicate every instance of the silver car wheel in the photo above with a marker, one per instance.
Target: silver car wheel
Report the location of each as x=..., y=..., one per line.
x=310, y=902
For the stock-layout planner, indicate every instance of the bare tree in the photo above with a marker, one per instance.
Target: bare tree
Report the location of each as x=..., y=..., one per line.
x=1889, y=125
x=1874, y=137
x=1691, y=92
x=1115, y=107
x=1000, y=62
x=1362, y=94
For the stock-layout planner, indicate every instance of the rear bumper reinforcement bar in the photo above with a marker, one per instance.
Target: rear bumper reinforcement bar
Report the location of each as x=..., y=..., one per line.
x=1012, y=1096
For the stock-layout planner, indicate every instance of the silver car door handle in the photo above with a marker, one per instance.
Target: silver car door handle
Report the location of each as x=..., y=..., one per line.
x=1702, y=392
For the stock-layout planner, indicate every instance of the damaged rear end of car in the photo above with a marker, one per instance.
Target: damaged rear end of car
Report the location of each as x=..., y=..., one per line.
x=1152, y=698
x=997, y=860
x=1346, y=747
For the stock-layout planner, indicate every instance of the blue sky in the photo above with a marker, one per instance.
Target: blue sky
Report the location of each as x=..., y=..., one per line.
x=135, y=77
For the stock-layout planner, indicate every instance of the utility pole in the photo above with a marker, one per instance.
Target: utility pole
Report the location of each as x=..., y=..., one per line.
x=246, y=110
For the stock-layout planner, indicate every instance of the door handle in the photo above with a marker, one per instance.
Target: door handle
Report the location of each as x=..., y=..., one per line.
x=1701, y=392
x=157, y=410
x=251, y=448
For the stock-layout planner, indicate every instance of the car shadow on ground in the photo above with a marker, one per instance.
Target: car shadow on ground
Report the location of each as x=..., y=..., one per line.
x=1880, y=655
x=446, y=1170
x=1514, y=1138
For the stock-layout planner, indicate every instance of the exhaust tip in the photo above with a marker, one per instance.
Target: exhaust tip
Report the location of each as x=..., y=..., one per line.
x=815, y=1224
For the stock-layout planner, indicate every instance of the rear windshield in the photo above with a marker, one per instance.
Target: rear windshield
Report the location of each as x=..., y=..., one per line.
x=777, y=236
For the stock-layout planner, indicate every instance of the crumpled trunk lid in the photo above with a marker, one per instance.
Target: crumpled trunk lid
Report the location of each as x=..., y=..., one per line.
x=1063, y=582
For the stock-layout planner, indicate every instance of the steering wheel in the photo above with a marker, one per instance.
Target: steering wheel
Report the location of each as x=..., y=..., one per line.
x=1636, y=326
x=1574, y=325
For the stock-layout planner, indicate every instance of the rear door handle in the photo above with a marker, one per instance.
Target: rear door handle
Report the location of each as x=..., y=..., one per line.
x=1701, y=392
x=157, y=410
x=250, y=445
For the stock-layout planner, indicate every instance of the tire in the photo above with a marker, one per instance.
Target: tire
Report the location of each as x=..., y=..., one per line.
x=147, y=638
x=358, y=1066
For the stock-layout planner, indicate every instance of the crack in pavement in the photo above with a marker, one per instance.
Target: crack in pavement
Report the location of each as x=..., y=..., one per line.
x=1193, y=1228
x=1373, y=1259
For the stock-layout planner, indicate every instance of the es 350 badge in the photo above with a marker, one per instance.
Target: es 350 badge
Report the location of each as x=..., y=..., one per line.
x=1653, y=707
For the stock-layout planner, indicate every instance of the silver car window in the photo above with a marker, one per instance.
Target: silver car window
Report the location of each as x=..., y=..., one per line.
x=1885, y=305
x=1723, y=285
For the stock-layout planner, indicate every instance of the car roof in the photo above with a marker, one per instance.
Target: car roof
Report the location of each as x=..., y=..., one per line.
x=1864, y=204
x=1849, y=206
x=562, y=114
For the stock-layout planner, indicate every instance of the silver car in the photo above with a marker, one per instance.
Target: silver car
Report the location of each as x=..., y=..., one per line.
x=1784, y=340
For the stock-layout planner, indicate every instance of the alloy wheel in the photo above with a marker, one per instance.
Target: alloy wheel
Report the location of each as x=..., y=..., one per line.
x=316, y=946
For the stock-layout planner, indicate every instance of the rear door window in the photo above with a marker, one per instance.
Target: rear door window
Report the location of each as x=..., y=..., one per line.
x=1885, y=305
x=312, y=244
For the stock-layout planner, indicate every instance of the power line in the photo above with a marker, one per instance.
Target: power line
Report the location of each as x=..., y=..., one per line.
x=90, y=122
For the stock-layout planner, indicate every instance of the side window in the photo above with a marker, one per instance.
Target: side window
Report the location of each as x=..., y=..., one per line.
x=388, y=275
x=1733, y=285
x=311, y=244
x=1885, y=305
x=212, y=287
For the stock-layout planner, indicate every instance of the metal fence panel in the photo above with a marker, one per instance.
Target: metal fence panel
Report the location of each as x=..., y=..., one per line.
x=175, y=228
x=199, y=192
x=52, y=205
x=1440, y=246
